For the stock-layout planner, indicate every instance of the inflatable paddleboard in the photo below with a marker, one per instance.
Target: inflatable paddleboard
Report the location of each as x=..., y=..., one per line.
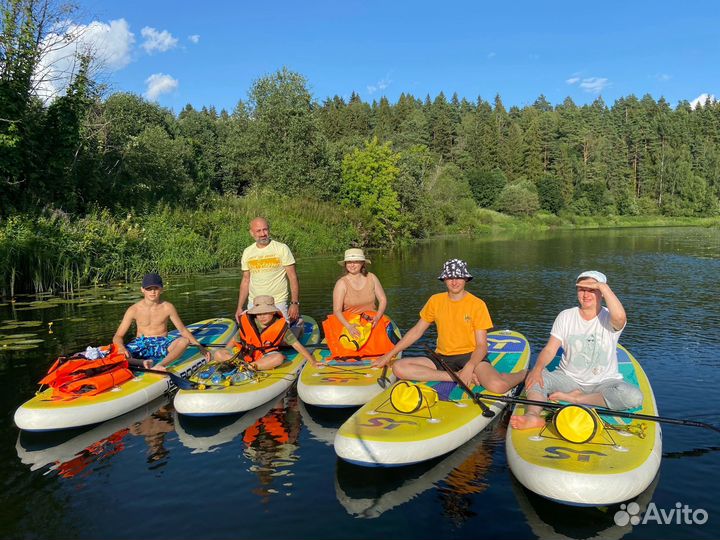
x=241, y=393
x=343, y=382
x=377, y=435
x=44, y=413
x=613, y=467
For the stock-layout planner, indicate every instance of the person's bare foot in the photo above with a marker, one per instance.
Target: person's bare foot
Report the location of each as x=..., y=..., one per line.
x=526, y=421
x=570, y=397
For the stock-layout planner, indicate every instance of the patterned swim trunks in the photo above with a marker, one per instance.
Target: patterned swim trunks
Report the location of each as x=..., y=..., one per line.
x=149, y=348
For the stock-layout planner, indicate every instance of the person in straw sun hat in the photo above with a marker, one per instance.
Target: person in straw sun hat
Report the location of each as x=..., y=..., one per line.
x=358, y=322
x=358, y=290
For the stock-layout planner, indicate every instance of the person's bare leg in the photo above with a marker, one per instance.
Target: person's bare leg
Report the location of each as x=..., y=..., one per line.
x=419, y=369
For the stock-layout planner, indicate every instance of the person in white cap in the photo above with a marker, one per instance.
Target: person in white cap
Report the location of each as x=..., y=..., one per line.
x=462, y=320
x=588, y=371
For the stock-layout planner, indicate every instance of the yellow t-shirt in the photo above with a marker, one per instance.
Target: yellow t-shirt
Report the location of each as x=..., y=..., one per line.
x=456, y=321
x=267, y=270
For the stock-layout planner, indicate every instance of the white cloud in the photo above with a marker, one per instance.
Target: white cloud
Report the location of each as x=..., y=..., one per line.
x=663, y=77
x=195, y=38
x=157, y=41
x=382, y=84
x=110, y=45
x=158, y=84
x=701, y=100
x=593, y=85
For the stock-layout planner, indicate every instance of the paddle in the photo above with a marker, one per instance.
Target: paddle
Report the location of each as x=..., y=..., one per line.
x=178, y=381
x=486, y=412
x=604, y=411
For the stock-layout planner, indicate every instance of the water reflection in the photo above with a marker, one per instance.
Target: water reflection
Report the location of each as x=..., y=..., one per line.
x=209, y=433
x=553, y=521
x=458, y=477
x=323, y=423
x=271, y=444
x=74, y=452
x=154, y=430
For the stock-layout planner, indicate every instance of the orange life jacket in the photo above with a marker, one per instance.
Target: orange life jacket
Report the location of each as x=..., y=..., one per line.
x=253, y=344
x=378, y=343
x=76, y=376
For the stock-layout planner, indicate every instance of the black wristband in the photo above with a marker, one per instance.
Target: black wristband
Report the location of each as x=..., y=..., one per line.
x=296, y=303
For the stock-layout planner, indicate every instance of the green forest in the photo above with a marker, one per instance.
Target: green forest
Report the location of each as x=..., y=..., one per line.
x=99, y=186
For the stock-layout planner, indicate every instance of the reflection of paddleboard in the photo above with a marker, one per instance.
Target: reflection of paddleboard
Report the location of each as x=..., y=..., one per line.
x=341, y=382
x=370, y=497
x=551, y=521
x=322, y=424
x=207, y=434
x=57, y=448
x=377, y=435
x=613, y=467
x=252, y=392
x=43, y=413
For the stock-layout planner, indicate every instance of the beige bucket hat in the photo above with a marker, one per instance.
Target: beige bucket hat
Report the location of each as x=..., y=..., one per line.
x=263, y=304
x=354, y=255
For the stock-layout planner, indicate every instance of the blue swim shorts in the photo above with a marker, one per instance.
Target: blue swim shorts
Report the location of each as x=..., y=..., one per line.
x=149, y=348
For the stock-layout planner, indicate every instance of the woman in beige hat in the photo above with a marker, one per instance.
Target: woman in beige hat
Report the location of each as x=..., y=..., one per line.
x=358, y=290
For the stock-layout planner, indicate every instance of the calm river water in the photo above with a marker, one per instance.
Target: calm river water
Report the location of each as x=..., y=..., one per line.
x=151, y=474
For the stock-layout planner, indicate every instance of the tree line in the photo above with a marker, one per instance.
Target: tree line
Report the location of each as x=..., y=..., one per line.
x=407, y=167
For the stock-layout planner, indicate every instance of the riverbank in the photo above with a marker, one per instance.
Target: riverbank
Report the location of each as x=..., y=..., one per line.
x=57, y=252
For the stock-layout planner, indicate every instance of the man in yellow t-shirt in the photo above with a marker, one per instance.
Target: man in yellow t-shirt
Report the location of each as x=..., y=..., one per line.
x=268, y=266
x=462, y=320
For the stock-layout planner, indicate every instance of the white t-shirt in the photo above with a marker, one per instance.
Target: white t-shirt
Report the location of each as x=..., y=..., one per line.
x=589, y=347
x=267, y=270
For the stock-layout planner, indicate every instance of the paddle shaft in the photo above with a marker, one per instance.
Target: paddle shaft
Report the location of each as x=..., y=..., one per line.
x=603, y=411
x=486, y=412
x=178, y=381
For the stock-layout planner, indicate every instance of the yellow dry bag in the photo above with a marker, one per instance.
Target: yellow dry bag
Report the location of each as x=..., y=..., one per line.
x=577, y=424
x=408, y=398
x=363, y=323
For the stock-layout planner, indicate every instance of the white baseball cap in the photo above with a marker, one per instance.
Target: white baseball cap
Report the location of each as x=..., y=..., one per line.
x=593, y=274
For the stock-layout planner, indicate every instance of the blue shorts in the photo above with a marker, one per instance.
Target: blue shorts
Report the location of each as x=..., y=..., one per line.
x=149, y=348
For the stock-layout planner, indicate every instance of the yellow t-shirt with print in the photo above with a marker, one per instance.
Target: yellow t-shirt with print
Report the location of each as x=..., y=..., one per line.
x=267, y=270
x=456, y=321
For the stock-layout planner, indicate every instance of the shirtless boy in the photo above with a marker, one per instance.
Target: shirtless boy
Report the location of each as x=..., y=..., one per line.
x=151, y=315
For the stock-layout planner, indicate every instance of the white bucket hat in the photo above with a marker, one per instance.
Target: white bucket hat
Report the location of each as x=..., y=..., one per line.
x=354, y=255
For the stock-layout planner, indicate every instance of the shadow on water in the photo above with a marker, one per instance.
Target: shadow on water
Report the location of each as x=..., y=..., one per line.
x=553, y=521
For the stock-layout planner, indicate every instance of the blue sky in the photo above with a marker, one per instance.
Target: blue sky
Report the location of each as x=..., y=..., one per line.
x=209, y=53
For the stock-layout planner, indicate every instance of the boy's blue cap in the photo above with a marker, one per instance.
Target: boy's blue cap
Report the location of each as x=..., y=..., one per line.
x=152, y=280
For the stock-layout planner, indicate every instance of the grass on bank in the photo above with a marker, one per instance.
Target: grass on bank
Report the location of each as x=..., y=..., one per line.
x=55, y=252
